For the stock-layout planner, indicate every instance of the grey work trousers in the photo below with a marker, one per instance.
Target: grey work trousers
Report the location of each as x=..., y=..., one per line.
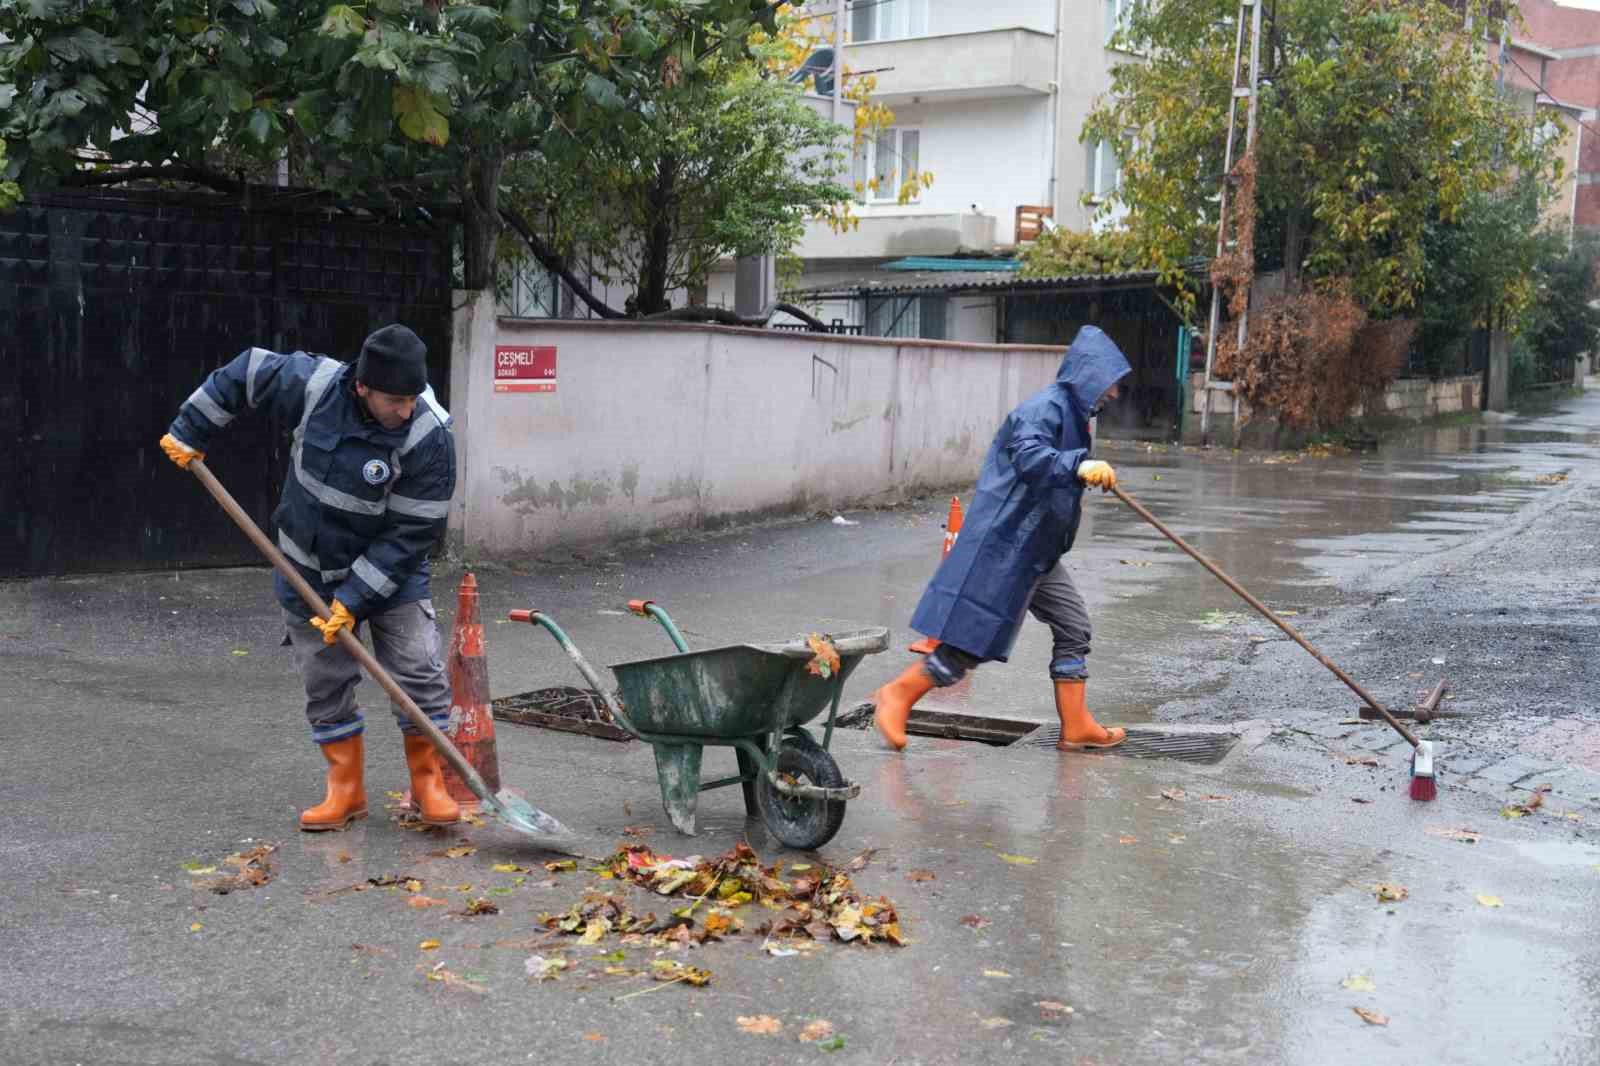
x=1057, y=603
x=405, y=640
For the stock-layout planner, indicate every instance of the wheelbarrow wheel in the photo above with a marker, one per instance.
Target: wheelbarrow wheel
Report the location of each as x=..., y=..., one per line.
x=795, y=821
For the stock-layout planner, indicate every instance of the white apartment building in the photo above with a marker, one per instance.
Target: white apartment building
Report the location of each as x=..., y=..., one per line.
x=989, y=96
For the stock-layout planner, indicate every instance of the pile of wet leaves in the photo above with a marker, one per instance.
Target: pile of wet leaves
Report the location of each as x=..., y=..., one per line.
x=806, y=903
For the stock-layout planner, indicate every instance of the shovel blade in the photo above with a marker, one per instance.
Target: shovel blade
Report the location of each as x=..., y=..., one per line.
x=525, y=818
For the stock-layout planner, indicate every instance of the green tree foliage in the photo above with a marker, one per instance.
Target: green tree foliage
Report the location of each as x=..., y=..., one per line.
x=1480, y=268
x=10, y=192
x=1560, y=324
x=1374, y=117
x=394, y=103
x=1060, y=252
x=734, y=165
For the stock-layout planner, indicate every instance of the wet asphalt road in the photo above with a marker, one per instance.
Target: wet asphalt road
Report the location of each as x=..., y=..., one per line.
x=153, y=723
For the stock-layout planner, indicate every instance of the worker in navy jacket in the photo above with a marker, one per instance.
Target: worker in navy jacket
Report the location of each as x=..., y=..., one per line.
x=1007, y=559
x=371, y=471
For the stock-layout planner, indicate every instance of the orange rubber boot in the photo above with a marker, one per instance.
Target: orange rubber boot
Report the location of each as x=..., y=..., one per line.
x=1079, y=730
x=347, y=795
x=428, y=793
x=894, y=702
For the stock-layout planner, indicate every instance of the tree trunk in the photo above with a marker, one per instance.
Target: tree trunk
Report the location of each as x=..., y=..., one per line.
x=480, y=198
x=658, y=243
x=1293, y=249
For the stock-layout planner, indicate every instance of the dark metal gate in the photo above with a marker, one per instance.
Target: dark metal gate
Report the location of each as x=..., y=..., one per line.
x=1141, y=324
x=114, y=306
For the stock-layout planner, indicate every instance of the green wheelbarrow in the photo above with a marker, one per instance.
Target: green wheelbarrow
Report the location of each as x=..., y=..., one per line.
x=753, y=698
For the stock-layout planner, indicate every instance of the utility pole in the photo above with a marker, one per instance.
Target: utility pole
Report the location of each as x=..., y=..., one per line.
x=1238, y=92
x=838, y=58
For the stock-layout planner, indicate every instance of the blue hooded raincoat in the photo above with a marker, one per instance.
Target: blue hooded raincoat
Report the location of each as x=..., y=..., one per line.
x=1025, y=512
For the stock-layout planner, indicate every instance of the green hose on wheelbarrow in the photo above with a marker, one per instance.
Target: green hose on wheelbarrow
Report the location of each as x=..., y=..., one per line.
x=754, y=698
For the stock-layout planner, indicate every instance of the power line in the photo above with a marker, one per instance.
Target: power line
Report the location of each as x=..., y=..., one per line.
x=1512, y=59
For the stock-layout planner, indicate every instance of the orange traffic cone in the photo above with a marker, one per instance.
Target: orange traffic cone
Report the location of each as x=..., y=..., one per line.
x=470, y=709
x=952, y=527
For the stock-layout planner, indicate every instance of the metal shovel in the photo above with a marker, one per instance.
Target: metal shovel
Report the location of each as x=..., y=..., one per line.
x=512, y=810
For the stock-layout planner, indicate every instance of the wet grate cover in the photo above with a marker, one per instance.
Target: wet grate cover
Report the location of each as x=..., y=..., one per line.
x=1152, y=744
x=568, y=709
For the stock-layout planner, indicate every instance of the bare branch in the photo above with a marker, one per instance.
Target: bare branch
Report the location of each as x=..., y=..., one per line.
x=551, y=260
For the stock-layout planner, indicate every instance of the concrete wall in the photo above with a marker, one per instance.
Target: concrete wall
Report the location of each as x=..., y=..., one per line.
x=964, y=16
x=959, y=142
x=659, y=427
x=1414, y=398
x=1420, y=398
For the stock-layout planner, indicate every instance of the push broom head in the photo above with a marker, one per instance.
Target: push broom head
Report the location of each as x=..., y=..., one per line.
x=1424, y=786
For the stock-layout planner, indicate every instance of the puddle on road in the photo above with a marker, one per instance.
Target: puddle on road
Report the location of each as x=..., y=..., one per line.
x=1558, y=852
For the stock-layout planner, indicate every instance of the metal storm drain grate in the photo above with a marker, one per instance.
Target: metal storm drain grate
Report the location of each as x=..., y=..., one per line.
x=571, y=710
x=1152, y=744
x=995, y=732
x=1002, y=732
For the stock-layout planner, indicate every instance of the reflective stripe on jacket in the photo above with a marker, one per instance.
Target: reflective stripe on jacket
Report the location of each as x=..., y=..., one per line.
x=361, y=505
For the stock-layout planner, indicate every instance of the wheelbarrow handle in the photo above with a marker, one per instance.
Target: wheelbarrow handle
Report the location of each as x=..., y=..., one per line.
x=648, y=609
x=539, y=618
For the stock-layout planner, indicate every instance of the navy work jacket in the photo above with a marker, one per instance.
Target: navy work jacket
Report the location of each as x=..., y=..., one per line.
x=361, y=505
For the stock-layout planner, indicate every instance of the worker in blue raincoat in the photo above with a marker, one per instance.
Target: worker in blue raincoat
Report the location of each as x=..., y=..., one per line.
x=1007, y=560
x=371, y=471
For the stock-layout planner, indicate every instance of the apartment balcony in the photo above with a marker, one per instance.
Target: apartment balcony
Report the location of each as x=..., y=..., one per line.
x=902, y=233
x=958, y=66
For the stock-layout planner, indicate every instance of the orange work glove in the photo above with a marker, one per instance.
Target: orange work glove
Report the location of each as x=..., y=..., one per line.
x=179, y=452
x=341, y=619
x=1097, y=473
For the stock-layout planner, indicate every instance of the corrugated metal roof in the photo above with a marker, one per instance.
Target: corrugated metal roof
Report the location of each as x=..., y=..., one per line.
x=946, y=264
x=973, y=281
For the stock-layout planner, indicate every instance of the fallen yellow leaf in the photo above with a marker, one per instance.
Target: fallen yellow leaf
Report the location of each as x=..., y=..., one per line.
x=1359, y=983
x=413, y=885
x=196, y=927
x=1491, y=901
x=507, y=868
x=817, y=1030
x=995, y=1023
x=1017, y=860
x=1466, y=836
x=995, y=973
x=760, y=1025
x=1390, y=893
x=459, y=852
x=428, y=945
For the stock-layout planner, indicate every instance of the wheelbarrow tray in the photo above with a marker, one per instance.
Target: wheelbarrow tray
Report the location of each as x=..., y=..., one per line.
x=741, y=690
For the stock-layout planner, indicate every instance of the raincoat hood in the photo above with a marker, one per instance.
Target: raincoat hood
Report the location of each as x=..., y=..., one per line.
x=1092, y=365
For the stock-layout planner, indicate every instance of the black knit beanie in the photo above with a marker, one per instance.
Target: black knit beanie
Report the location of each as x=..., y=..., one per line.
x=394, y=360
